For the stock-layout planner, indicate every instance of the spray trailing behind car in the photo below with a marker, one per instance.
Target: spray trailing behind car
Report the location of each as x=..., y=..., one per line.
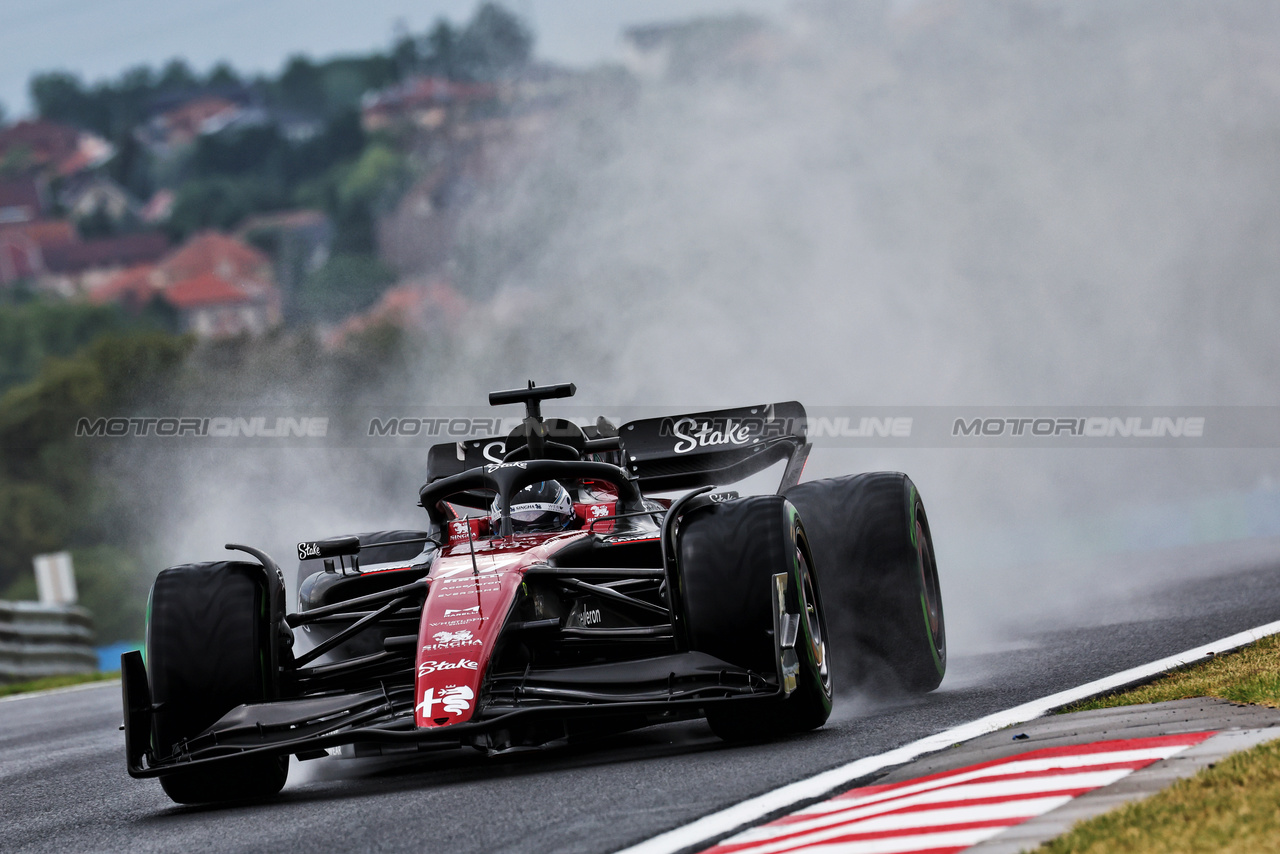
x=549, y=595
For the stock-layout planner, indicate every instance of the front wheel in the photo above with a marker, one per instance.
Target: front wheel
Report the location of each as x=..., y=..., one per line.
x=208, y=628
x=731, y=556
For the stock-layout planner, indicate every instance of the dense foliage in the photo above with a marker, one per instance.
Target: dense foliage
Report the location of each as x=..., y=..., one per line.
x=49, y=498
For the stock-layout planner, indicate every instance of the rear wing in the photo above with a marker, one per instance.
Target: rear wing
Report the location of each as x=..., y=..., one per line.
x=714, y=448
x=675, y=452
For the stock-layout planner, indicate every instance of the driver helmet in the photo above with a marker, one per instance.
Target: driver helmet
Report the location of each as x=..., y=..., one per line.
x=538, y=507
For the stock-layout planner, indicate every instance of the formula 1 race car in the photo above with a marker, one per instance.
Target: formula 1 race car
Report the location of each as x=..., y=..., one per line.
x=550, y=596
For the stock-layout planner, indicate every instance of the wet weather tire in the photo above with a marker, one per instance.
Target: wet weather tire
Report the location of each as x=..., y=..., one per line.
x=207, y=631
x=871, y=542
x=729, y=554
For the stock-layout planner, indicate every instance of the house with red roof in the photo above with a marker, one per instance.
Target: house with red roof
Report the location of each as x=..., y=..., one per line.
x=48, y=147
x=132, y=288
x=219, y=287
x=23, y=246
x=166, y=133
x=22, y=200
x=212, y=307
x=427, y=102
x=417, y=305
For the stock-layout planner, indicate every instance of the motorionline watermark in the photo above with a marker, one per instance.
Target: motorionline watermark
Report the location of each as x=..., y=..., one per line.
x=1094, y=427
x=920, y=426
x=218, y=427
x=658, y=430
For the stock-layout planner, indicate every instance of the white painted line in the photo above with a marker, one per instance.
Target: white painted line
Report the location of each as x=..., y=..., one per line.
x=750, y=811
x=68, y=689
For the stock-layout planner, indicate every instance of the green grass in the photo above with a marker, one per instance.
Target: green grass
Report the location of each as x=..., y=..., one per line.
x=55, y=682
x=1248, y=675
x=1231, y=806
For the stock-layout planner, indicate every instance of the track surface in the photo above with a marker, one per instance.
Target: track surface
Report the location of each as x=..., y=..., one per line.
x=65, y=788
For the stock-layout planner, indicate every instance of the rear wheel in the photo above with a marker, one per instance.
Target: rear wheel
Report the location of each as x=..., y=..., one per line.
x=729, y=555
x=871, y=538
x=207, y=634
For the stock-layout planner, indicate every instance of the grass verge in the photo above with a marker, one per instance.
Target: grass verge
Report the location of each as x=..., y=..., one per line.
x=1230, y=806
x=55, y=682
x=1251, y=674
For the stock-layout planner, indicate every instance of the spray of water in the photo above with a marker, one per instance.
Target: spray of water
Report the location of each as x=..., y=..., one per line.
x=929, y=203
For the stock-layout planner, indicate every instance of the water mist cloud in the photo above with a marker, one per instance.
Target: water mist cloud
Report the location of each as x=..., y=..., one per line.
x=1048, y=203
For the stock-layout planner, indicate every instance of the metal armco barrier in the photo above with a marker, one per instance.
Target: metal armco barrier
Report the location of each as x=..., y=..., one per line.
x=44, y=640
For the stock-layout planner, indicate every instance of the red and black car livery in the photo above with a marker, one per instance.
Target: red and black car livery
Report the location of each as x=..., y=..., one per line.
x=472, y=632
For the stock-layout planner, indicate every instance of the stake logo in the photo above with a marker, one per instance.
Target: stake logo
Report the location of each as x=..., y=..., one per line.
x=692, y=434
x=435, y=666
x=492, y=467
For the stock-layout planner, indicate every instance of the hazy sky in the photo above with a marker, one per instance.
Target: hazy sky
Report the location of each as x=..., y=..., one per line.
x=98, y=38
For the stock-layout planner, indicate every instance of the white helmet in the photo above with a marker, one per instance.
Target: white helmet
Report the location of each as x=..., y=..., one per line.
x=543, y=506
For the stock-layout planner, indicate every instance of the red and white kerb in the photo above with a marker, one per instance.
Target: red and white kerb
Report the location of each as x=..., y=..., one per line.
x=950, y=811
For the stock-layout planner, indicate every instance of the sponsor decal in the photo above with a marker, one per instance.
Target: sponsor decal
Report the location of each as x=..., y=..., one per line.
x=460, y=529
x=450, y=612
x=452, y=640
x=483, y=570
x=721, y=497
x=454, y=699
x=436, y=666
x=598, y=510
x=306, y=551
x=590, y=618
x=492, y=467
x=630, y=538
x=692, y=434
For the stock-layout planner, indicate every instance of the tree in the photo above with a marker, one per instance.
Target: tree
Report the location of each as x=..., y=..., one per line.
x=221, y=202
x=177, y=75
x=222, y=75
x=61, y=97
x=50, y=492
x=300, y=86
x=442, y=46
x=493, y=44
x=344, y=285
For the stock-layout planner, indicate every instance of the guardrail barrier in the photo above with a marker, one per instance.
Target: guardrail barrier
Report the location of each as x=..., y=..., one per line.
x=39, y=640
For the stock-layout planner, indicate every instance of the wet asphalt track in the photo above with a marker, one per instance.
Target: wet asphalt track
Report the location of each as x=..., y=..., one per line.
x=63, y=786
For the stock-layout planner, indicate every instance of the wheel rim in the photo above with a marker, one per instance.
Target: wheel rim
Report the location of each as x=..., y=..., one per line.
x=815, y=626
